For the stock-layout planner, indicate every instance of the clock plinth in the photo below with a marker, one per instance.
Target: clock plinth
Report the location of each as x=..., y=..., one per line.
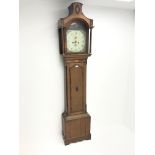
x=76, y=127
x=75, y=46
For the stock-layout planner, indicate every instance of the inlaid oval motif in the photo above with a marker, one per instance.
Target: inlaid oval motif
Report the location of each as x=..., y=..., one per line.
x=77, y=9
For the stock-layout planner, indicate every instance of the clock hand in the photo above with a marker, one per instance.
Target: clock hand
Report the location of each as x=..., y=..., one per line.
x=75, y=43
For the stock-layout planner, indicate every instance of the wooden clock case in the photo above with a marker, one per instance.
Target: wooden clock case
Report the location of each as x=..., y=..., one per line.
x=75, y=119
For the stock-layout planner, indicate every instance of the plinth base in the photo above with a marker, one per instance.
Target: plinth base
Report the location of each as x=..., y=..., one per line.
x=76, y=128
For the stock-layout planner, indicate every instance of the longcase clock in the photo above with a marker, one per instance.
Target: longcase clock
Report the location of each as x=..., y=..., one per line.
x=75, y=33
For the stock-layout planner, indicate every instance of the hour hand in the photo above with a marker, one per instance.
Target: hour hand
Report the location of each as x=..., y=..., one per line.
x=75, y=42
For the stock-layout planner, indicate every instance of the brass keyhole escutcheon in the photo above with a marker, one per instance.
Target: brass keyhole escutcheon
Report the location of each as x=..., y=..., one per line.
x=76, y=88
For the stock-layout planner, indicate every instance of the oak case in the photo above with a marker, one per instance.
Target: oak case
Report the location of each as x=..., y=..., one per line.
x=75, y=119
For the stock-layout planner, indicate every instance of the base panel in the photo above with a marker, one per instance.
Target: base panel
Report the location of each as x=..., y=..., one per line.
x=74, y=140
x=76, y=128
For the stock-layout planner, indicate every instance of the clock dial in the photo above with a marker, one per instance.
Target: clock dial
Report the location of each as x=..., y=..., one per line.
x=76, y=41
x=76, y=35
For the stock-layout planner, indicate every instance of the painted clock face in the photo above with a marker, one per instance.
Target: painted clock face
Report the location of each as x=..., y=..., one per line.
x=76, y=38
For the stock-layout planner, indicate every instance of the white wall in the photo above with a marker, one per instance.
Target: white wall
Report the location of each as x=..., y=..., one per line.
x=110, y=81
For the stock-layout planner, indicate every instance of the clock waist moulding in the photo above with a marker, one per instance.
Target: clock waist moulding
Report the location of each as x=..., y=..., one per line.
x=75, y=32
